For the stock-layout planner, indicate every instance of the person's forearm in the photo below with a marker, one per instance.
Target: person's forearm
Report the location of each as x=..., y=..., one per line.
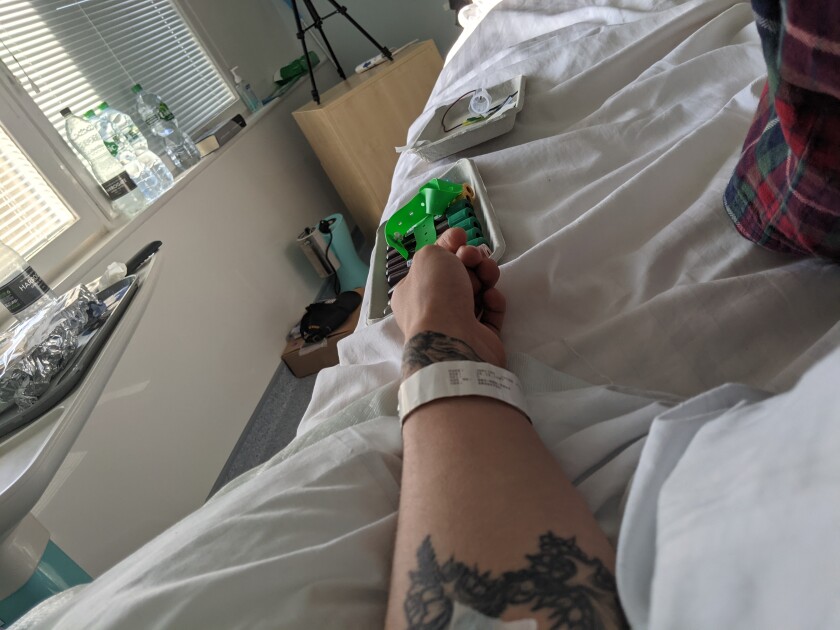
x=480, y=493
x=487, y=520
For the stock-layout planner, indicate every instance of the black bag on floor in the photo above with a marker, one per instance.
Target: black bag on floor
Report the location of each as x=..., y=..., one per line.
x=322, y=318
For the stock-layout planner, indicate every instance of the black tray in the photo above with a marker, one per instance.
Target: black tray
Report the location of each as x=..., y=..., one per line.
x=117, y=297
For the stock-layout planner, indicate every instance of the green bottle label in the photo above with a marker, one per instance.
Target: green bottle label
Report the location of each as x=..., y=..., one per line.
x=113, y=147
x=164, y=113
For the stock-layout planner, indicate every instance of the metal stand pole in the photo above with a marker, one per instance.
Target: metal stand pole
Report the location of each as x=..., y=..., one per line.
x=317, y=22
x=301, y=35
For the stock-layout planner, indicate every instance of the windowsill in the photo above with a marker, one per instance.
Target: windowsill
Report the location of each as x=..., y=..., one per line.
x=95, y=251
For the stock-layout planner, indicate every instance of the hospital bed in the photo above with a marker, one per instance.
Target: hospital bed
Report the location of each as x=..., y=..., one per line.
x=628, y=288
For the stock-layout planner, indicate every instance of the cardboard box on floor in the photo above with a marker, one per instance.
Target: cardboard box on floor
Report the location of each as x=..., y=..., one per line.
x=305, y=359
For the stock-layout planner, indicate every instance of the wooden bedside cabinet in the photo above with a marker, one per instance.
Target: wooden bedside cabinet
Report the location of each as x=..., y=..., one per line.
x=359, y=122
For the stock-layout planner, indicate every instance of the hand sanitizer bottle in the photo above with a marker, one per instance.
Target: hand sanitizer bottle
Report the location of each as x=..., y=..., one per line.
x=245, y=92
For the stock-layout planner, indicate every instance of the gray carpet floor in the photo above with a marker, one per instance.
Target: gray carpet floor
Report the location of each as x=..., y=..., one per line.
x=272, y=426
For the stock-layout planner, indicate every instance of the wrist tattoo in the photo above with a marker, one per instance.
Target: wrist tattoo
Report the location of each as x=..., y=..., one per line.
x=576, y=590
x=430, y=347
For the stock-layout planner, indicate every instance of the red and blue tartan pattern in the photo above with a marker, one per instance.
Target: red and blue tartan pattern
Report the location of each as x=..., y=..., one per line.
x=785, y=191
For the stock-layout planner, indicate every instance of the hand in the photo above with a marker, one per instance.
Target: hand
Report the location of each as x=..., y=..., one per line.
x=451, y=290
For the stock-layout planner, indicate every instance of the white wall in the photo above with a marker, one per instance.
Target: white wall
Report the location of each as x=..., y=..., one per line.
x=259, y=35
x=391, y=22
x=232, y=283
x=252, y=35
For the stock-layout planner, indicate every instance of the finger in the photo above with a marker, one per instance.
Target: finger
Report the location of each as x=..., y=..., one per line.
x=495, y=306
x=488, y=272
x=485, y=269
x=452, y=239
x=469, y=255
x=475, y=282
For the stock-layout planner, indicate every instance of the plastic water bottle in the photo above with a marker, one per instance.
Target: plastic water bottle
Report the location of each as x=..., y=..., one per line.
x=131, y=134
x=161, y=121
x=120, y=147
x=125, y=197
x=124, y=125
x=145, y=179
x=22, y=291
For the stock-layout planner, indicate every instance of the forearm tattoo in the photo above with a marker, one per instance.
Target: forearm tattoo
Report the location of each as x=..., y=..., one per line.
x=430, y=347
x=577, y=591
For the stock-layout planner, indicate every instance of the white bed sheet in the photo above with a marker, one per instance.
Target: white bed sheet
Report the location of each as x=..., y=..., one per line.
x=621, y=264
x=305, y=541
x=621, y=269
x=733, y=493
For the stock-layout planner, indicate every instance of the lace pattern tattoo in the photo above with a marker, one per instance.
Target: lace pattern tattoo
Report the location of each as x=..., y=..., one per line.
x=578, y=592
x=430, y=347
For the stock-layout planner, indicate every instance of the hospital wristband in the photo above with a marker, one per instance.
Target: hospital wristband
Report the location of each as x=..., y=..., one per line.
x=449, y=379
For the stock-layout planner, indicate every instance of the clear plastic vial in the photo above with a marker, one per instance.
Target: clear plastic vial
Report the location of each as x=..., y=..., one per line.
x=480, y=102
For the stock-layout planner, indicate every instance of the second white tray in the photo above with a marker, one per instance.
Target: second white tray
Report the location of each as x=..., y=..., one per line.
x=434, y=143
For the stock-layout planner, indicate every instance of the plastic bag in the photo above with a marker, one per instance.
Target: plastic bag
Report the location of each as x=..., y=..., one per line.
x=33, y=352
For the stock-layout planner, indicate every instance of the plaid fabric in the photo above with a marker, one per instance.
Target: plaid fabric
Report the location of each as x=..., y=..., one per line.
x=785, y=192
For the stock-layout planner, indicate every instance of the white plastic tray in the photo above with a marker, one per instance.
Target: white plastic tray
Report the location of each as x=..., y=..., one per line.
x=462, y=171
x=433, y=143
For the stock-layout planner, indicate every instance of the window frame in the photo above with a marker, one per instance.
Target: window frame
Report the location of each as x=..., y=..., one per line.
x=38, y=140
x=41, y=143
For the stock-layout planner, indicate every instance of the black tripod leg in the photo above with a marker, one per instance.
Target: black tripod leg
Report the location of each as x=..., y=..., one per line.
x=301, y=35
x=317, y=21
x=343, y=10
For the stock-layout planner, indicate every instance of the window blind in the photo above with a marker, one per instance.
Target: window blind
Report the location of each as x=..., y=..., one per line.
x=78, y=53
x=31, y=214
